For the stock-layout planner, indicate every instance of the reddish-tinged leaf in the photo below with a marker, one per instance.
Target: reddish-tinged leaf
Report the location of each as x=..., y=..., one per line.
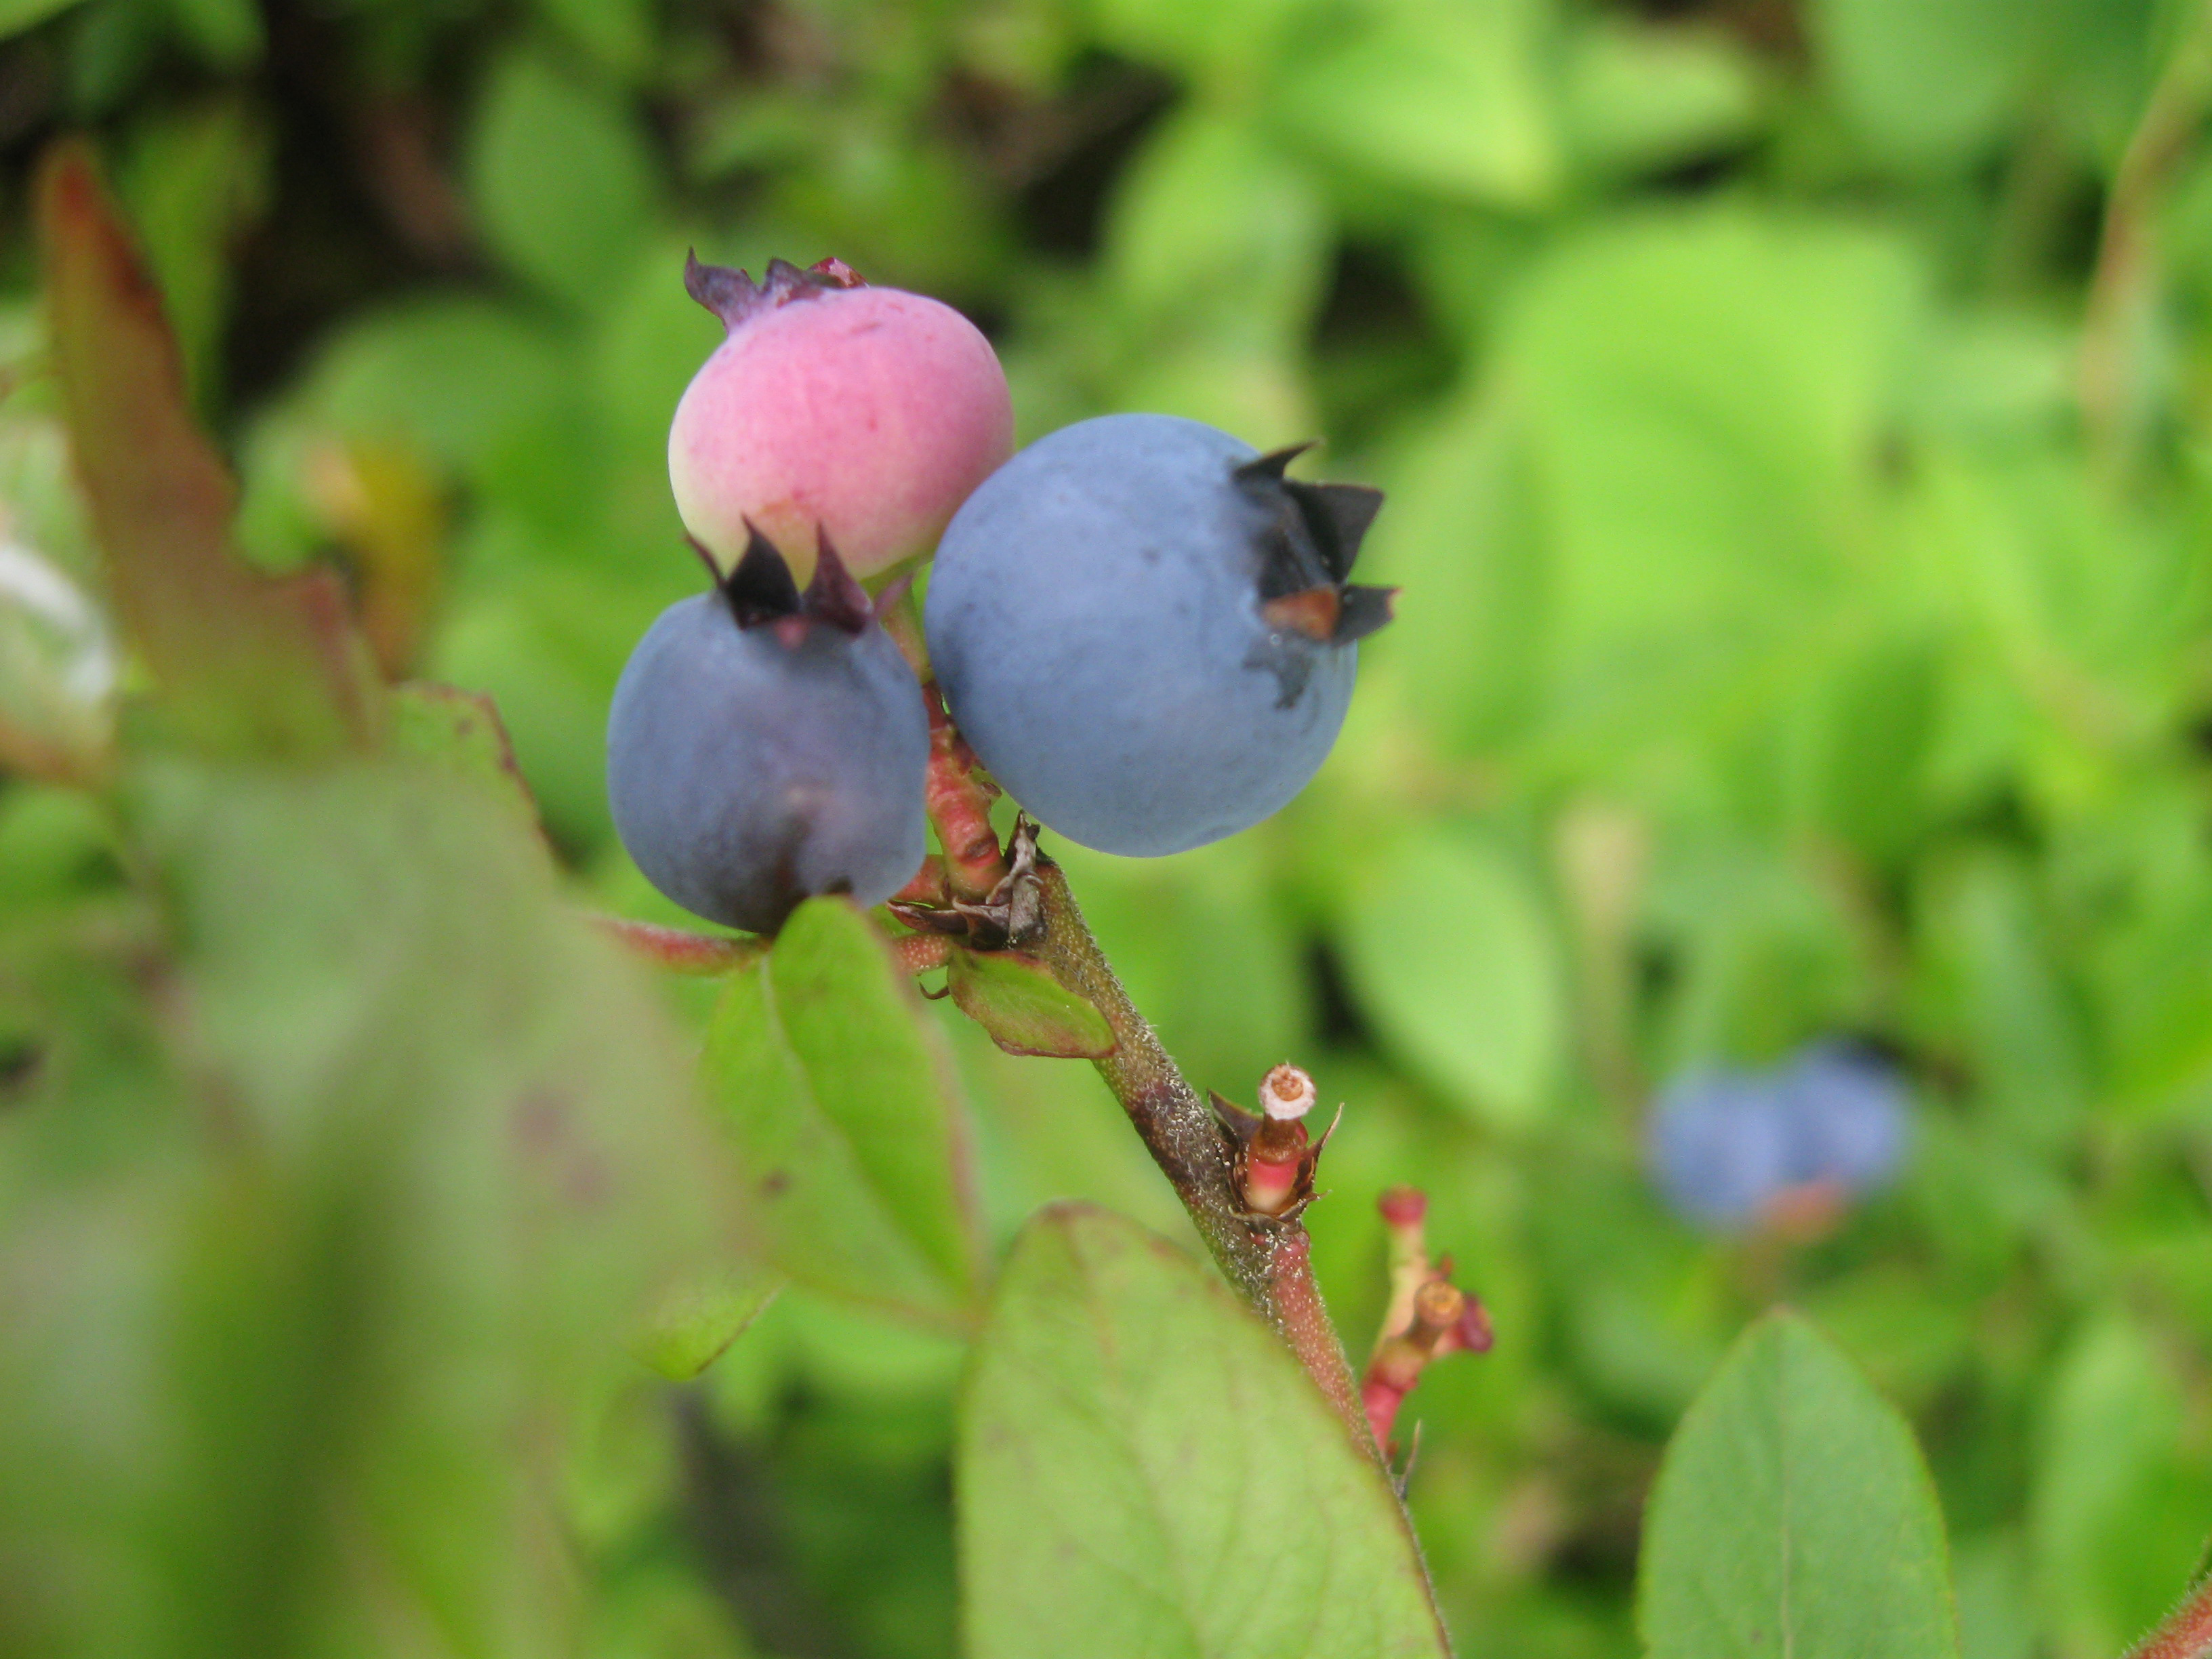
x=1026, y=1010
x=246, y=663
x=462, y=731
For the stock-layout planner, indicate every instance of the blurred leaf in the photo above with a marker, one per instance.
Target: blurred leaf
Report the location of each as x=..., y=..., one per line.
x=2088, y=603
x=460, y=730
x=618, y=34
x=57, y=673
x=194, y=182
x=1458, y=963
x=53, y=842
x=1862, y=747
x=662, y=1612
x=1641, y=97
x=1987, y=929
x=1997, y=1618
x=696, y=1323
x=1443, y=97
x=461, y=379
x=16, y=15
x=563, y=179
x=421, y=1150
x=1213, y=233
x=2117, y=1517
x=1460, y=535
x=1760, y=944
x=853, y=1150
x=246, y=664
x=1928, y=84
x=555, y=706
x=652, y=338
x=1144, y=1469
x=1026, y=1010
x=1218, y=43
x=226, y=33
x=1793, y=1517
x=1705, y=397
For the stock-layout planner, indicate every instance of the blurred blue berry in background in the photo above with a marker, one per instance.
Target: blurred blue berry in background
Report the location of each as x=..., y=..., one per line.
x=1734, y=1150
x=1848, y=1114
x=1720, y=1146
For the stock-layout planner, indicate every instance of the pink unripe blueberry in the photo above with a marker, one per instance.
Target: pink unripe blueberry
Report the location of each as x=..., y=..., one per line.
x=864, y=411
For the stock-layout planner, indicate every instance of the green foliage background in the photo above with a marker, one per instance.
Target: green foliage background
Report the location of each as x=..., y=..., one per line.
x=1794, y=413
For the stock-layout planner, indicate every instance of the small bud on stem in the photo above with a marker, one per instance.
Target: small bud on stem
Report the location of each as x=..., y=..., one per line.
x=1273, y=1162
x=1429, y=1316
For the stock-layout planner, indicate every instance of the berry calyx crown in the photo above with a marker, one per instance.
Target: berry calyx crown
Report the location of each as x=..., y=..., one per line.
x=1309, y=540
x=733, y=296
x=760, y=590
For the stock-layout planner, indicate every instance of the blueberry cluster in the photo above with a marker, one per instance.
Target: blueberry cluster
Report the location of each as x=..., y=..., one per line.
x=1733, y=1150
x=1143, y=626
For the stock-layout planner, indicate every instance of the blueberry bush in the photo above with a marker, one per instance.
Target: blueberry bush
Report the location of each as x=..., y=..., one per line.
x=1754, y=907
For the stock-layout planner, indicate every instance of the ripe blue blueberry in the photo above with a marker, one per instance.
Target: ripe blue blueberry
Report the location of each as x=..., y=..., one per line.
x=1848, y=1114
x=1720, y=1147
x=764, y=746
x=1143, y=628
x=1730, y=1149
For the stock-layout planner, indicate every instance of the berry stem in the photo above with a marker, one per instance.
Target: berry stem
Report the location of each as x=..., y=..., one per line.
x=959, y=806
x=917, y=953
x=680, y=950
x=2186, y=1633
x=1268, y=1263
x=1306, y=1325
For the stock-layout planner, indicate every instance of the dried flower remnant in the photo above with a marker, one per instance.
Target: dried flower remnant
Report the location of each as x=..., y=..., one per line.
x=1273, y=1161
x=1428, y=1317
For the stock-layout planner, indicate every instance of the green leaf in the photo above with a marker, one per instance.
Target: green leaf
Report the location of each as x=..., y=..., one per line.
x=1026, y=1010
x=562, y=179
x=1443, y=97
x=853, y=1150
x=461, y=731
x=1453, y=956
x=1703, y=396
x=16, y=15
x=2022, y=1021
x=462, y=380
x=1861, y=744
x=420, y=1149
x=1793, y=1518
x=1641, y=96
x=2118, y=1508
x=1213, y=234
x=1932, y=85
x=227, y=34
x=246, y=664
x=1224, y=39
x=57, y=671
x=1144, y=1469
x=1462, y=530
x=696, y=1323
x=618, y=34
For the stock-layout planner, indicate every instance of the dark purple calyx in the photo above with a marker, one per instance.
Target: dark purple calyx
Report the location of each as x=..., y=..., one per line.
x=1308, y=540
x=760, y=591
x=735, y=297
